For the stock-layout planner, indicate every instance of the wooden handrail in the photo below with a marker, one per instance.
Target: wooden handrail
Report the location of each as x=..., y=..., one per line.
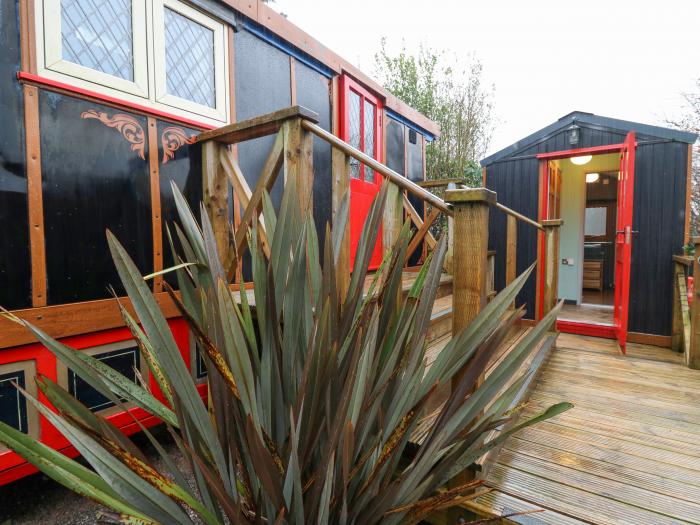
x=519, y=216
x=401, y=181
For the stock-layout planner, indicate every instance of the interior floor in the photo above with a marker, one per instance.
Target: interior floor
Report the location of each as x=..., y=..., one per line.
x=603, y=298
x=587, y=313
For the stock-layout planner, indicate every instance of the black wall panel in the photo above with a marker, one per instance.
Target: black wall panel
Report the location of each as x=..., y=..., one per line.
x=13, y=405
x=183, y=166
x=93, y=179
x=263, y=85
x=395, y=151
x=659, y=216
x=15, y=276
x=313, y=92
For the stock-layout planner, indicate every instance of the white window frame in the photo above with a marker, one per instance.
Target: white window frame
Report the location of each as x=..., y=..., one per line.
x=149, y=85
x=220, y=43
x=53, y=51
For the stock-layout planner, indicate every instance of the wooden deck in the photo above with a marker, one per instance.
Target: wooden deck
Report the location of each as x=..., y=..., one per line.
x=627, y=453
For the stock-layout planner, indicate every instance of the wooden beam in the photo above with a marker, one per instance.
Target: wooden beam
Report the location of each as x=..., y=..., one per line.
x=341, y=188
x=418, y=220
x=392, y=220
x=266, y=180
x=35, y=201
x=552, y=228
x=215, y=197
x=470, y=251
x=257, y=127
x=156, y=219
x=423, y=232
x=292, y=81
x=511, y=248
x=299, y=161
x=693, y=358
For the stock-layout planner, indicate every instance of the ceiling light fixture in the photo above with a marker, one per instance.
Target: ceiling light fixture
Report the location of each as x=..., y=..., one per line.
x=580, y=161
x=592, y=177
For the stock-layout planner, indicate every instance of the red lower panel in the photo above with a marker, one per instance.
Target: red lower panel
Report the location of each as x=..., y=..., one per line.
x=593, y=330
x=12, y=466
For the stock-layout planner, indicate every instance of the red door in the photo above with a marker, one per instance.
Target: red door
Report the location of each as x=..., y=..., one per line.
x=623, y=239
x=361, y=128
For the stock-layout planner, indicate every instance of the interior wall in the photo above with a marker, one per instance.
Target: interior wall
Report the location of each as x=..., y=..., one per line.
x=573, y=204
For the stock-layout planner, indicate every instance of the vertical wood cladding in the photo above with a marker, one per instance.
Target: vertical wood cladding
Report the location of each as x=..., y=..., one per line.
x=313, y=92
x=659, y=217
x=181, y=163
x=94, y=177
x=15, y=276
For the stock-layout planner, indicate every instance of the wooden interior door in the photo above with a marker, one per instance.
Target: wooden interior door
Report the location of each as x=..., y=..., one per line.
x=361, y=128
x=623, y=239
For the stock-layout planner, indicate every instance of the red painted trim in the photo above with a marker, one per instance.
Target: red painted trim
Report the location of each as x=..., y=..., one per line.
x=544, y=210
x=593, y=330
x=595, y=150
x=48, y=83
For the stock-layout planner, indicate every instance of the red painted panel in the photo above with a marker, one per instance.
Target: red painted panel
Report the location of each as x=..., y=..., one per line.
x=623, y=239
x=365, y=184
x=593, y=330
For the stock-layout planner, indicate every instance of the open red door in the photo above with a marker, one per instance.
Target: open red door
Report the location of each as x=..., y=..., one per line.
x=623, y=239
x=361, y=128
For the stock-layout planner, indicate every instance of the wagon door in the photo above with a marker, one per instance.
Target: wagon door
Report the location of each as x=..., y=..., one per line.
x=623, y=239
x=361, y=128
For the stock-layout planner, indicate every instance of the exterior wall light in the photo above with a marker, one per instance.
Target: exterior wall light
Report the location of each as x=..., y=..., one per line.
x=580, y=161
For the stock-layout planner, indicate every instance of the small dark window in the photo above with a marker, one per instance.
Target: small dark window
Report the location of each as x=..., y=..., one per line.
x=125, y=361
x=13, y=406
x=412, y=136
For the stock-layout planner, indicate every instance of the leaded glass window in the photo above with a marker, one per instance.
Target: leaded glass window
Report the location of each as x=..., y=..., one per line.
x=98, y=34
x=355, y=119
x=189, y=59
x=369, y=138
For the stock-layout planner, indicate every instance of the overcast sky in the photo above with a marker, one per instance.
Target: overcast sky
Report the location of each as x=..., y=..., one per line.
x=627, y=59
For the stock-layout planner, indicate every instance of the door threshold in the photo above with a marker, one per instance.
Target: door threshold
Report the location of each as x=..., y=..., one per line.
x=605, y=331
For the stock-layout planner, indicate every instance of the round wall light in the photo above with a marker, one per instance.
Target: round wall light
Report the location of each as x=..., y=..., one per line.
x=580, y=161
x=592, y=177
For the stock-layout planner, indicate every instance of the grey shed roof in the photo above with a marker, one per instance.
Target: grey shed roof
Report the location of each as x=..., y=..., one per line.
x=581, y=117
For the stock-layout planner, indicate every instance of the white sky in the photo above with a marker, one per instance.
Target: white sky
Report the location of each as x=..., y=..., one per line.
x=626, y=59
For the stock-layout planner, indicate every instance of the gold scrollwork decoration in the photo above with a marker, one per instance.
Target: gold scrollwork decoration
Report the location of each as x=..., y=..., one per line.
x=172, y=139
x=125, y=124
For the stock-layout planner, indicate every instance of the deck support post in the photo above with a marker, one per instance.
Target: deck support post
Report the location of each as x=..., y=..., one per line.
x=552, y=228
x=393, y=217
x=693, y=357
x=470, y=237
x=215, y=196
x=341, y=189
x=299, y=162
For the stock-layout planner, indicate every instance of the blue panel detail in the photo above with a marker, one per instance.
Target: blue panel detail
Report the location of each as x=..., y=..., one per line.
x=275, y=41
x=410, y=125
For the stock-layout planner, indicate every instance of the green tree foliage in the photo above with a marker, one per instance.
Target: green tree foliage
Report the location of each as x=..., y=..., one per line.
x=456, y=99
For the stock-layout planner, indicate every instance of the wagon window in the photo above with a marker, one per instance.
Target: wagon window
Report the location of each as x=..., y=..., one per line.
x=165, y=54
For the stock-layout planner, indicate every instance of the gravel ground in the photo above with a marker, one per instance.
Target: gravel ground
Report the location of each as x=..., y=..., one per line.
x=38, y=500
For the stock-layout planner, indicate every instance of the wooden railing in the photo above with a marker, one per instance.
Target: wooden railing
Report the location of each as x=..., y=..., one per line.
x=467, y=209
x=686, y=317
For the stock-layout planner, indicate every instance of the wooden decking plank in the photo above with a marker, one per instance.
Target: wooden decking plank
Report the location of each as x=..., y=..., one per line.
x=609, y=347
x=625, y=493
x=569, y=419
x=613, y=453
x=500, y=504
x=571, y=500
x=651, y=480
x=582, y=357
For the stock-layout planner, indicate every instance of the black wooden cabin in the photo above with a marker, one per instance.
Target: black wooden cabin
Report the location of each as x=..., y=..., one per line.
x=100, y=102
x=661, y=213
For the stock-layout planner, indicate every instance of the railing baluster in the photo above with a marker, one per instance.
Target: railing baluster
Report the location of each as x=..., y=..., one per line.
x=551, y=262
x=215, y=197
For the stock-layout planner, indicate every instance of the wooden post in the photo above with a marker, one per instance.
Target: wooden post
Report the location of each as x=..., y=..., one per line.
x=470, y=237
x=679, y=276
x=299, y=161
x=215, y=196
x=511, y=248
x=449, y=252
x=341, y=188
x=693, y=360
x=392, y=221
x=551, y=268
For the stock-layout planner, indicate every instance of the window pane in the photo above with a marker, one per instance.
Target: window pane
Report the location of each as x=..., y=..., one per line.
x=369, y=139
x=354, y=115
x=189, y=59
x=98, y=34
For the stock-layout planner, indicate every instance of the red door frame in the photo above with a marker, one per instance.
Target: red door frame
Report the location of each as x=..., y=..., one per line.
x=360, y=186
x=572, y=327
